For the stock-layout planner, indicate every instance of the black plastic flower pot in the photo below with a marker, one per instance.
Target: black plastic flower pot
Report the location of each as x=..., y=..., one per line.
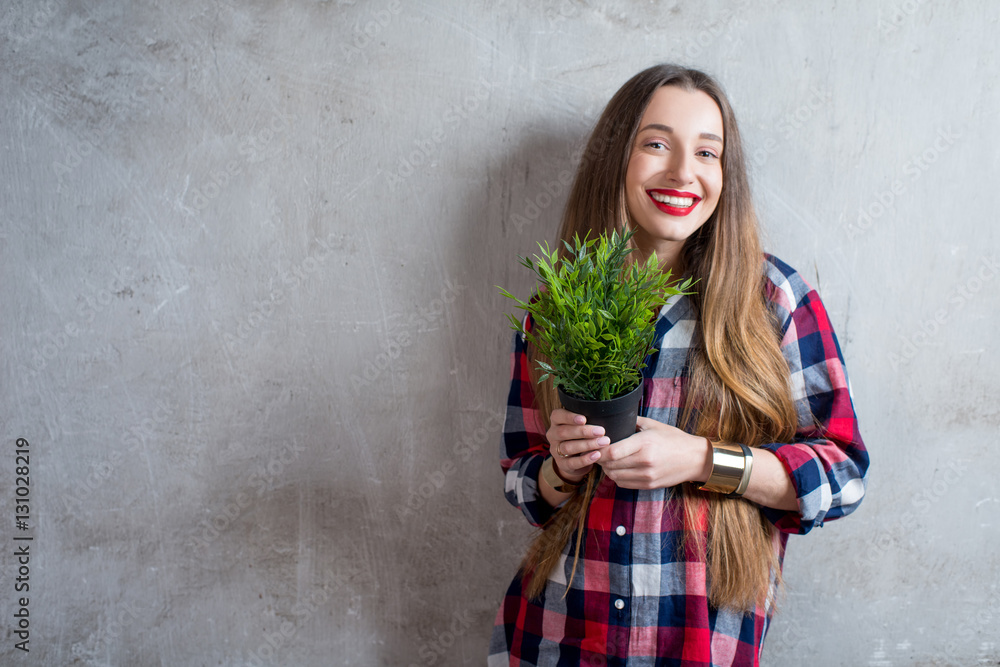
x=617, y=415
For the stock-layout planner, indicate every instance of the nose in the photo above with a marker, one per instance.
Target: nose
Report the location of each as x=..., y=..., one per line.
x=679, y=167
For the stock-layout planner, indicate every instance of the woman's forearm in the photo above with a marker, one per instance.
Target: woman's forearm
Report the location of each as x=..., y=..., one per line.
x=770, y=484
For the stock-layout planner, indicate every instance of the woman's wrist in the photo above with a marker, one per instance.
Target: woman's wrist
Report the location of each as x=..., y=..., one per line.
x=568, y=478
x=549, y=477
x=703, y=459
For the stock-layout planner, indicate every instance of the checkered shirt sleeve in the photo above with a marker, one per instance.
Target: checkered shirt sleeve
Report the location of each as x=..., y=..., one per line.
x=827, y=462
x=524, y=446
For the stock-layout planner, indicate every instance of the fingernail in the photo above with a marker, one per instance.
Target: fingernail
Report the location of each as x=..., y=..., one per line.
x=603, y=441
x=580, y=419
x=598, y=431
x=595, y=456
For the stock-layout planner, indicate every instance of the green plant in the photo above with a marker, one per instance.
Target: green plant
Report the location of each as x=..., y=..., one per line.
x=594, y=314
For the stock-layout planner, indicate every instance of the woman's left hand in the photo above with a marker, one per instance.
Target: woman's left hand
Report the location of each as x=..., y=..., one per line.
x=657, y=456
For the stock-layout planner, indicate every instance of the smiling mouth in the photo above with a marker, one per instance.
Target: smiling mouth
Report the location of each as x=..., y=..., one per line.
x=674, y=202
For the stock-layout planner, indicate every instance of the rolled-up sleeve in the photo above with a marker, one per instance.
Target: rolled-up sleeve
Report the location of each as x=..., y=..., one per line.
x=827, y=462
x=523, y=447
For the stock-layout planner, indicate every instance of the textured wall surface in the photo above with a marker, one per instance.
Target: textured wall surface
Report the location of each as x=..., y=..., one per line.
x=250, y=331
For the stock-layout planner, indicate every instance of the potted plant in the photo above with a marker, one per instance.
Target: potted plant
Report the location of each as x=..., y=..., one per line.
x=593, y=322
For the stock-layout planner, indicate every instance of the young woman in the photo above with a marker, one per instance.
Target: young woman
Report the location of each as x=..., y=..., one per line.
x=747, y=433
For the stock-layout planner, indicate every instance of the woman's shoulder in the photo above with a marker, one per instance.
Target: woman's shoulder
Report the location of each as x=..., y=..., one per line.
x=786, y=288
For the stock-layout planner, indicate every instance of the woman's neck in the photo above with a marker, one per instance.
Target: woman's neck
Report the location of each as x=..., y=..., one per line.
x=668, y=254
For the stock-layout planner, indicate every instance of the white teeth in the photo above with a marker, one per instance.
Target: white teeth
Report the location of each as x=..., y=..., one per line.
x=683, y=202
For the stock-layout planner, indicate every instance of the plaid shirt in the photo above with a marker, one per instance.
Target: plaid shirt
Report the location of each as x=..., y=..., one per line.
x=635, y=599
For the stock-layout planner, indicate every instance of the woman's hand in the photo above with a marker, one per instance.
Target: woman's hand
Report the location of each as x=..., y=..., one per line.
x=657, y=456
x=574, y=445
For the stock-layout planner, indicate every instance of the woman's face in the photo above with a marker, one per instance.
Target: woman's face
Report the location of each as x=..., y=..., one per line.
x=674, y=174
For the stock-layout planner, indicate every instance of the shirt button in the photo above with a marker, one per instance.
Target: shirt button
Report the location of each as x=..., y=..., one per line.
x=620, y=530
x=619, y=604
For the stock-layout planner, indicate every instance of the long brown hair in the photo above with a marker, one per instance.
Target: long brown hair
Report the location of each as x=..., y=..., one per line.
x=739, y=380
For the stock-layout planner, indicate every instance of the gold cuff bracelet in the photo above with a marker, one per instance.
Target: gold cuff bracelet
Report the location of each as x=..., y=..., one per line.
x=731, y=468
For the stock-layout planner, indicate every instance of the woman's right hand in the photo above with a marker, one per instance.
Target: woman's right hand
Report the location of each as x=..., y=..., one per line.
x=575, y=446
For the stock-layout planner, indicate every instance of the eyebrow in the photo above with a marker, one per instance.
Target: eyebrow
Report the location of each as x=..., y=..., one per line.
x=670, y=130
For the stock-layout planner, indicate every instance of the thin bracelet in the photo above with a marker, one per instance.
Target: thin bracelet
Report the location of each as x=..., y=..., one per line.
x=555, y=480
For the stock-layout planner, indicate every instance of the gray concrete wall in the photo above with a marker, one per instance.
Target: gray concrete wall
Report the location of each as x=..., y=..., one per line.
x=250, y=328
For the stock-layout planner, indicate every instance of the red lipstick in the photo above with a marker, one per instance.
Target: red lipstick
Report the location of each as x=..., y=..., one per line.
x=670, y=209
